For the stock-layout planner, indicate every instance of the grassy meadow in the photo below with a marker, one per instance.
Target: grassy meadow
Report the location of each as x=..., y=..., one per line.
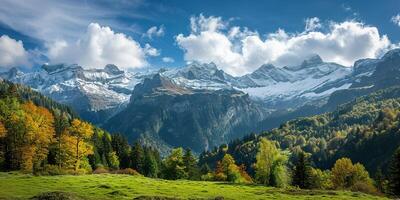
x=113, y=186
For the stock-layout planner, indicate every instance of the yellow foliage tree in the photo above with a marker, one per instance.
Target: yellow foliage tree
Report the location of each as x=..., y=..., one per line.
x=39, y=126
x=81, y=132
x=3, y=130
x=346, y=175
x=265, y=159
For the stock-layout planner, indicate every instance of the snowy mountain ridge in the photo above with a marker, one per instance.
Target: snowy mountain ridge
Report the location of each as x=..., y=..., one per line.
x=109, y=89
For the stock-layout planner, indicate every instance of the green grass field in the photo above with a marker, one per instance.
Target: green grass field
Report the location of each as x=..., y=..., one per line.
x=110, y=186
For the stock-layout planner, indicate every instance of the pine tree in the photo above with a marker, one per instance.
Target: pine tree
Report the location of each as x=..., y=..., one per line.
x=394, y=177
x=205, y=169
x=191, y=165
x=302, y=172
x=174, y=165
x=380, y=180
x=121, y=147
x=137, y=157
x=60, y=125
x=150, y=167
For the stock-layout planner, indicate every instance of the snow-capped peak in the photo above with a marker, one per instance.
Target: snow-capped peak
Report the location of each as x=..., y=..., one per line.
x=312, y=60
x=112, y=69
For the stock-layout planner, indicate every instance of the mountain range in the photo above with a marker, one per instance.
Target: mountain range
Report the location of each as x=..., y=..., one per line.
x=200, y=106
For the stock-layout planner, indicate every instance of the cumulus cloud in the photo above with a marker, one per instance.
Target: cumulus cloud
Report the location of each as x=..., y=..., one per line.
x=312, y=24
x=168, y=60
x=12, y=52
x=155, y=32
x=100, y=46
x=396, y=19
x=239, y=51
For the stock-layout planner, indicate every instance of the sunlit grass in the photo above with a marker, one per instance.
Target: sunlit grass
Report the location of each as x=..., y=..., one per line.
x=112, y=186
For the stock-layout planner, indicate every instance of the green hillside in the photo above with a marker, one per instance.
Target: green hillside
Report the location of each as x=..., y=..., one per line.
x=365, y=130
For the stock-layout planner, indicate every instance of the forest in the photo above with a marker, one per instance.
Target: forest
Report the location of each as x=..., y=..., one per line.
x=324, y=152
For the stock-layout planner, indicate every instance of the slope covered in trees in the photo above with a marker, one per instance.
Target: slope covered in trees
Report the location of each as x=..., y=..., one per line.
x=41, y=136
x=365, y=130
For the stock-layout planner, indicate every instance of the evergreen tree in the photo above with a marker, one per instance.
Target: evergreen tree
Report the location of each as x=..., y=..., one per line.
x=60, y=124
x=380, y=180
x=205, y=169
x=174, y=167
x=137, y=157
x=106, y=149
x=302, y=172
x=394, y=177
x=150, y=167
x=191, y=165
x=121, y=147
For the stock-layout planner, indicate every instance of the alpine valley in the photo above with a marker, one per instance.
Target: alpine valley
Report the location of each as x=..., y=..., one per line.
x=199, y=105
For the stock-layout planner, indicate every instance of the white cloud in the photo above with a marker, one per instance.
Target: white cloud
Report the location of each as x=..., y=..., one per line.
x=168, y=60
x=155, y=32
x=312, y=24
x=343, y=43
x=49, y=20
x=396, y=19
x=100, y=46
x=12, y=52
x=151, y=51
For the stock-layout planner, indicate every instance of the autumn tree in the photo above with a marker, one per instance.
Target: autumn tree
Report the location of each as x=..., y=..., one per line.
x=81, y=133
x=3, y=130
x=346, y=175
x=227, y=170
x=3, y=133
x=39, y=134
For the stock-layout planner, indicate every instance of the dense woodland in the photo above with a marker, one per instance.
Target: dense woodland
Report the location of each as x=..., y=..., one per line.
x=42, y=137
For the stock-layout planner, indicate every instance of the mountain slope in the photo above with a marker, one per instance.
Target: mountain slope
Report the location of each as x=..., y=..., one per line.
x=365, y=130
x=164, y=114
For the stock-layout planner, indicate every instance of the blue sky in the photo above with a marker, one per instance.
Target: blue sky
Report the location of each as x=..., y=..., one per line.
x=38, y=31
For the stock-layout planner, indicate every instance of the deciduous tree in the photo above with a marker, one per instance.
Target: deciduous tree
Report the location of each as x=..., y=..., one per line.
x=81, y=133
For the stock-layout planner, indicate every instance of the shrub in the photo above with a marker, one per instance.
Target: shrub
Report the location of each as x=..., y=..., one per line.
x=364, y=187
x=100, y=170
x=128, y=171
x=220, y=177
x=207, y=177
x=321, y=179
x=55, y=195
x=51, y=170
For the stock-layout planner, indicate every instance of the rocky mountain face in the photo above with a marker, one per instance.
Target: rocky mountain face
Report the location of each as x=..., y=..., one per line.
x=164, y=114
x=199, y=105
